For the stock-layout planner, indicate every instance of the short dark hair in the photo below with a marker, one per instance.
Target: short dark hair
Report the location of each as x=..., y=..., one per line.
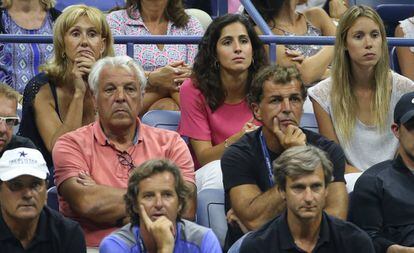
x=277, y=74
x=300, y=160
x=206, y=76
x=146, y=170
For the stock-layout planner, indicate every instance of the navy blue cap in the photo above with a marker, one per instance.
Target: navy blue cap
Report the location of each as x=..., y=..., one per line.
x=404, y=110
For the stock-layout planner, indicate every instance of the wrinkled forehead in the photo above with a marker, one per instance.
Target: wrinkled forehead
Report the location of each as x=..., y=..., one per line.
x=118, y=75
x=8, y=106
x=272, y=88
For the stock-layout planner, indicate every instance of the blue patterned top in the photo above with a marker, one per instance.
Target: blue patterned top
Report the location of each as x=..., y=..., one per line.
x=20, y=62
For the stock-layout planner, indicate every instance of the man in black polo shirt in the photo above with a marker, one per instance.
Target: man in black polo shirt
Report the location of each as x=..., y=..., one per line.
x=26, y=224
x=9, y=119
x=383, y=197
x=276, y=97
x=302, y=174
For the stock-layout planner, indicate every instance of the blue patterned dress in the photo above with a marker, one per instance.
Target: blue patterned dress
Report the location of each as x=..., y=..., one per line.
x=20, y=62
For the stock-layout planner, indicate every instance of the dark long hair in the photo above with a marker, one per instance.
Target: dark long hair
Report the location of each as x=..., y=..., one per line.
x=205, y=76
x=174, y=11
x=268, y=9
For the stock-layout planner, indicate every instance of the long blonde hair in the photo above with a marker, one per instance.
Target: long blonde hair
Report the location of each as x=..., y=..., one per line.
x=344, y=102
x=57, y=67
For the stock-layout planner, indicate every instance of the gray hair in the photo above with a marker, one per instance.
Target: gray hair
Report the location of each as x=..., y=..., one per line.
x=122, y=61
x=298, y=161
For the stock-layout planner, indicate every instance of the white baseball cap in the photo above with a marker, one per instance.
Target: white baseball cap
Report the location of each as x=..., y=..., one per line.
x=22, y=161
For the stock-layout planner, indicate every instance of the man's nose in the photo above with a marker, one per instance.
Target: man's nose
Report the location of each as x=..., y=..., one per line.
x=158, y=201
x=120, y=94
x=286, y=105
x=3, y=126
x=308, y=194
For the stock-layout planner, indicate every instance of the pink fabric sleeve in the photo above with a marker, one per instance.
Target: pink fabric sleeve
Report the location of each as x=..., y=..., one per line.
x=180, y=155
x=194, y=113
x=68, y=159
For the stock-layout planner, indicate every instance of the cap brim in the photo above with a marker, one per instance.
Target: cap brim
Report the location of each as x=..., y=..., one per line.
x=23, y=171
x=406, y=117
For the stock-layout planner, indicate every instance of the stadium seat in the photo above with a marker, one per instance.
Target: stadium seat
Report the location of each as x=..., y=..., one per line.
x=308, y=122
x=210, y=212
x=202, y=16
x=52, y=198
x=374, y=3
x=162, y=119
x=103, y=5
x=394, y=60
x=218, y=8
x=392, y=13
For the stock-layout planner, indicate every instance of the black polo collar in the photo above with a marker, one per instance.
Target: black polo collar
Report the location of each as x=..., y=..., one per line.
x=286, y=239
x=41, y=230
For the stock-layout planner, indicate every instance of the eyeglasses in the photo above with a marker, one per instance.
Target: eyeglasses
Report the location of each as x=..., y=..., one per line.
x=126, y=160
x=17, y=185
x=10, y=121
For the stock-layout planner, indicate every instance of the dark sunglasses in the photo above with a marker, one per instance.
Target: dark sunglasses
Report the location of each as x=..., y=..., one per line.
x=126, y=160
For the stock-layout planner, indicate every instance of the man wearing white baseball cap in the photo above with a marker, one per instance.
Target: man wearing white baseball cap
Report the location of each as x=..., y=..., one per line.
x=26, y=223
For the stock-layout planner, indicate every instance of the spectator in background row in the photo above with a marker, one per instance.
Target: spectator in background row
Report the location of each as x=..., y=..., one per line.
x=9, y=119
x=282, y=18
x=334, y=8
x=355, y=106
x=19, y=62
x=59, y=100
x=406, y=54
x=26, y=223
x=155, y=200
x=251, y=196
x=166, y=66
x=93, y=163
x=214, y=110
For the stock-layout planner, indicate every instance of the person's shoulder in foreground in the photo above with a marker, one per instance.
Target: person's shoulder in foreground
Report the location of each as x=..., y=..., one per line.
x=192, y=238
x=342, y=236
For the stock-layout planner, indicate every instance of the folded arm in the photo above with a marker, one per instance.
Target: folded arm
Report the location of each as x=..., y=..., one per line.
x=98, y=203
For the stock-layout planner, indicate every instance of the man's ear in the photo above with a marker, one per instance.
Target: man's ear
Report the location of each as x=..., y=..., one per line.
x=256, y=111
x=282, y=193
x=395, y=128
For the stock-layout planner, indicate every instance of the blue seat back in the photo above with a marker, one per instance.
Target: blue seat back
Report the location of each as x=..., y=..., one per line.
x=308, y=121
x=375, y=3
x=103, y=5
x=162, y=119
x=392, y=13
x=211, y=213
x=52, y=198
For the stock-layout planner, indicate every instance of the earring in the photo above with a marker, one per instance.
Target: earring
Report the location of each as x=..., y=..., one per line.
x=217, y=65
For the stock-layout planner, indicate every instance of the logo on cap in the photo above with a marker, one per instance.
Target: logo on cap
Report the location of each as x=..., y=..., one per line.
x=412, y=101
x=22, y=154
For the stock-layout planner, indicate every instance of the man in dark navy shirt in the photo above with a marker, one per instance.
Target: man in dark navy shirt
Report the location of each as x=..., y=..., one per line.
x=276, y=97
x=302, y=174
x=383, y=197
x=9, y=119
x=26, y=224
